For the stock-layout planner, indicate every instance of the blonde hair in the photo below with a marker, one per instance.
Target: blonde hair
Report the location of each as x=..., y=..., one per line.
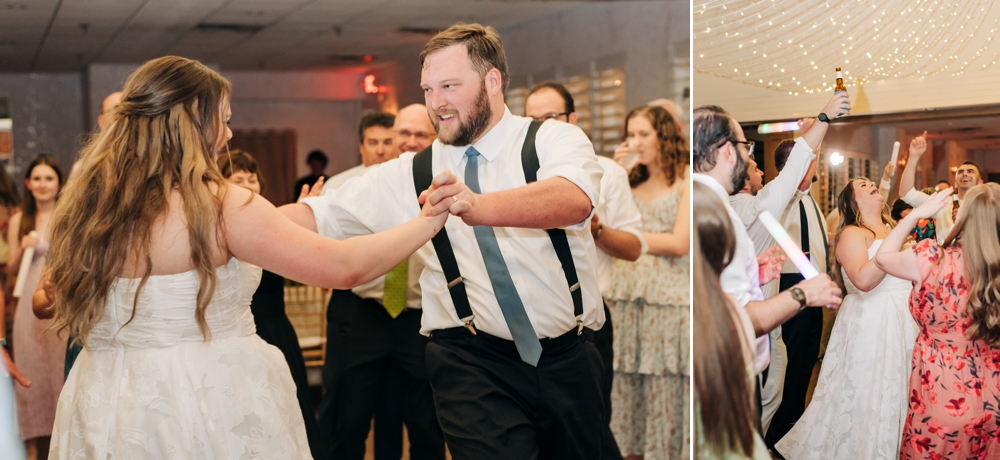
x=162, y=137
x=977, y=231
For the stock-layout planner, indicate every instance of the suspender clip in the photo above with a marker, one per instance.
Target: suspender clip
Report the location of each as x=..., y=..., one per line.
x=579, y=325
x=469, y=325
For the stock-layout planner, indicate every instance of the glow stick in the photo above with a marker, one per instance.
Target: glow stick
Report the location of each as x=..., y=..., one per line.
x=793, y=252
x=22, y=273
x=895, y=155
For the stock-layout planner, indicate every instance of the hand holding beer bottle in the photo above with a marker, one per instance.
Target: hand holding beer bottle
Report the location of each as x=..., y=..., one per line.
x=841, y=89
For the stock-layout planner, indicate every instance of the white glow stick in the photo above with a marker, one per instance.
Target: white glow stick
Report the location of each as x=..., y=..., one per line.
x=22, y=273
x=793, y=252
x=895, y=155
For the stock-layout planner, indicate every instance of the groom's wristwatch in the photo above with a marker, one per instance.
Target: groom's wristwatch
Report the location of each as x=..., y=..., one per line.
x=799, y=295
x=822, y=117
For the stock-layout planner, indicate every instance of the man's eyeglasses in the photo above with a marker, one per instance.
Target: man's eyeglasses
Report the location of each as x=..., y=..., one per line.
x=748, y=143
x=552, y=115
x=418, y=134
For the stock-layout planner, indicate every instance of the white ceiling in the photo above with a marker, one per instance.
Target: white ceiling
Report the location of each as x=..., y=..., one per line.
x=66, y=35
x=794, y=46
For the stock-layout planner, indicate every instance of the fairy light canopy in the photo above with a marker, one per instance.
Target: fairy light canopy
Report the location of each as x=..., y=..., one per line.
x=794, y=46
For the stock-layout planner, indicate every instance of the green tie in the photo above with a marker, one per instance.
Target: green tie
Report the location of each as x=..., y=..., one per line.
x=394, y=297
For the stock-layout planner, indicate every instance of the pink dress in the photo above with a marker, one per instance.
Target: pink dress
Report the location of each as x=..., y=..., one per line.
x=947, y=407
x=40, y=354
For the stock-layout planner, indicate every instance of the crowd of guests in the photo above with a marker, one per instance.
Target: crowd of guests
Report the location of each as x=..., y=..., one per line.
x=610, y=381
x=911, y=367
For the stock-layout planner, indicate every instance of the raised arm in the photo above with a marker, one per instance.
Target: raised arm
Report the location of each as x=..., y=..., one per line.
x=917, y=148
x=886, y=183
x=852, y=253
x=903, y=263
x=838, y=105
x=252, y=229
x=778, y=192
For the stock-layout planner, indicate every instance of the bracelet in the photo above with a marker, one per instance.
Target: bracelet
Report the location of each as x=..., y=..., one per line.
x=599, y=228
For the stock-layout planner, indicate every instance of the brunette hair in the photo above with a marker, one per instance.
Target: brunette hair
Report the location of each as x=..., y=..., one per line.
x=482, y=43
x=236, y=160
x=711, y=129
x=385, y=120
x=674, y=153
x=8, y=194
x=163, y=137
x=30, y=210
x=850, y=216
x=723, y=389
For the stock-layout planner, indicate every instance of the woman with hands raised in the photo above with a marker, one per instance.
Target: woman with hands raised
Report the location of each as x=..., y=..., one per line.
x=953, y=382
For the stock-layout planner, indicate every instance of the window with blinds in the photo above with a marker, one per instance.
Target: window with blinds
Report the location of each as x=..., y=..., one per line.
x=599, y=96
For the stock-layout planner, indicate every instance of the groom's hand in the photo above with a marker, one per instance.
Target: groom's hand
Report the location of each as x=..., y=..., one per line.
x=464, y=203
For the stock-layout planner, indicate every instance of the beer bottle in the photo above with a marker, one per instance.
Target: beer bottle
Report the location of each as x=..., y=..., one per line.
x=840, y=82
x=955, y=204
x=840, y=87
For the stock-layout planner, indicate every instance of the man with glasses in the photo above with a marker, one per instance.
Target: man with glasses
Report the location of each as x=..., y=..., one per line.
x=374, y=362
x=720, y=159
x=413, y=129
x=616, y=228
x=794, y=168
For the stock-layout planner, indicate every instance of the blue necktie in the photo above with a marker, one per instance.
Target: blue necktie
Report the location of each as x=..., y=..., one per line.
x=524, y=335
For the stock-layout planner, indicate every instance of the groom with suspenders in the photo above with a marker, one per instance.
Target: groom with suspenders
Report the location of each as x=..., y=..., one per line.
x=509, y=287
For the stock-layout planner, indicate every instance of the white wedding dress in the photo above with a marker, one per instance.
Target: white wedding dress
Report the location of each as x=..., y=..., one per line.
x=859, y=405
x=154, y=388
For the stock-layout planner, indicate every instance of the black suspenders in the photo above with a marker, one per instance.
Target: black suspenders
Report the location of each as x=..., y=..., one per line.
x=422, y=176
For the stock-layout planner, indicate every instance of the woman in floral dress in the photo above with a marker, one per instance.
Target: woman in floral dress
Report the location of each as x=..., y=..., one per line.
x=954, y=296
x=649, y=302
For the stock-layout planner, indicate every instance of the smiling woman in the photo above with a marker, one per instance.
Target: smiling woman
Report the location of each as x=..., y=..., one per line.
x=40, y=351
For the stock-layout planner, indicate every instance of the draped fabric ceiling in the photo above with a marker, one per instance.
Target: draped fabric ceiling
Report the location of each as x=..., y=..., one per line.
x=794, y=46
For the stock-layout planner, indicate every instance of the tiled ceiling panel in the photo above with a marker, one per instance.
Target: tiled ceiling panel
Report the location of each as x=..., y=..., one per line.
x=67, y=35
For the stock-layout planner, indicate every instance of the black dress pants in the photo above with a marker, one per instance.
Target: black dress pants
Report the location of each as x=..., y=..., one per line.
x=364, y=342
x=492, y=405
x=389, y=418
x=801, y=335
x=604, y=340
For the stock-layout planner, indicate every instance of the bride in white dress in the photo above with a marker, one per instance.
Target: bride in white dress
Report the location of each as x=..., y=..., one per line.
x=859, y=405
x=153, y=266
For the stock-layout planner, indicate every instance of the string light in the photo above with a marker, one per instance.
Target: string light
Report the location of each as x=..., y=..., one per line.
x=888, y=39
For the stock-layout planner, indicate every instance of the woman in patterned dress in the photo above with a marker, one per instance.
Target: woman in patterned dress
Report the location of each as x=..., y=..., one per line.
x=650, y=302
x=956, y=303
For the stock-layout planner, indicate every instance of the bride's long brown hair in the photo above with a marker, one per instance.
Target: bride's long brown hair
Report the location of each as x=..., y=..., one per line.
x=850, y=215
x=162, y=137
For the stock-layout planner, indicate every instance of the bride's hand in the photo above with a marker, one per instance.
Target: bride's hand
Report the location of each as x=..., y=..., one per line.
x=931, y=207
x=436, y=206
